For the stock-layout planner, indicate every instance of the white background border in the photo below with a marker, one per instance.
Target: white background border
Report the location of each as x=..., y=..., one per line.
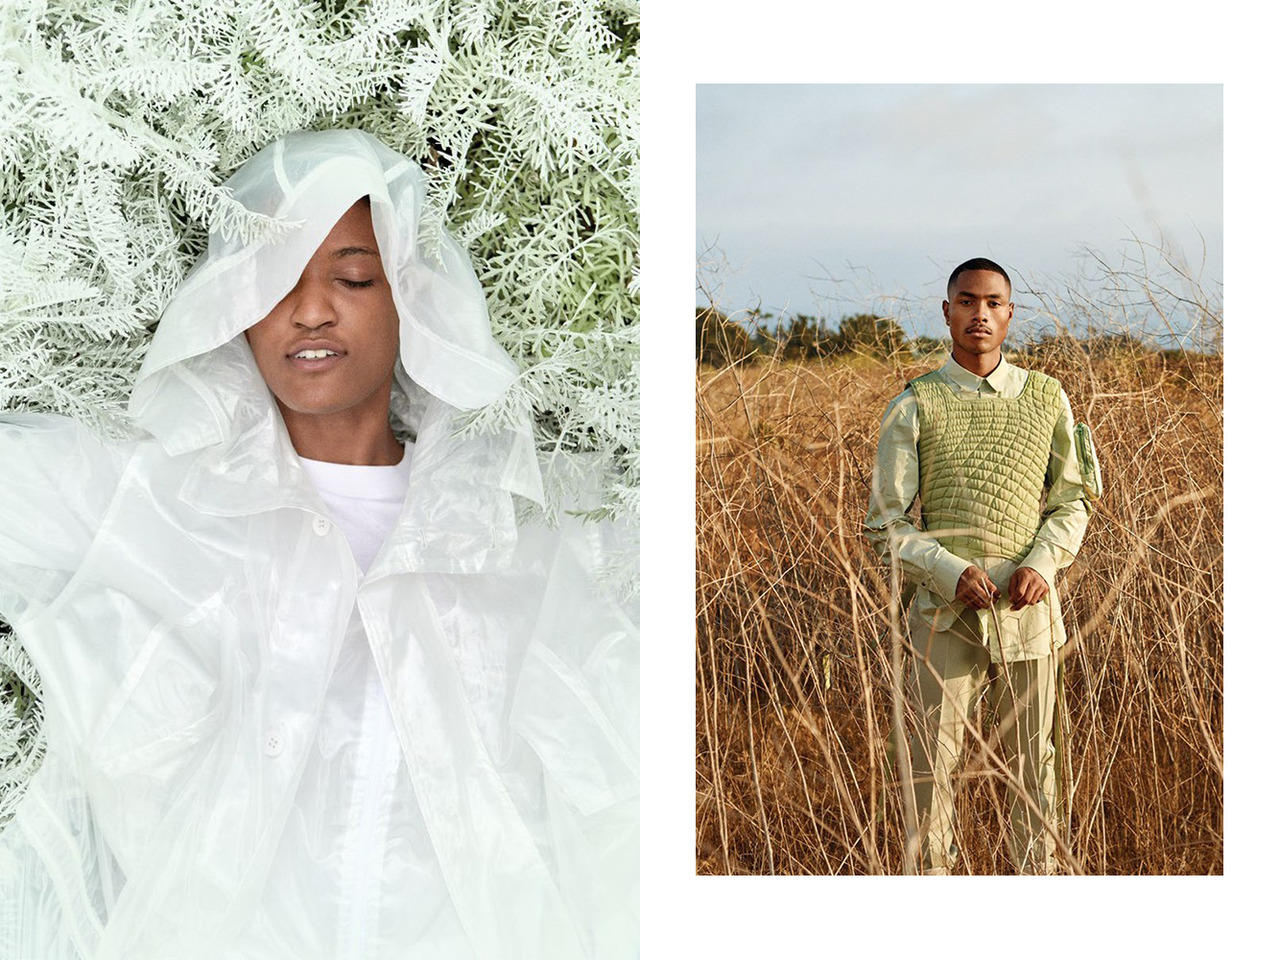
x=717, y=41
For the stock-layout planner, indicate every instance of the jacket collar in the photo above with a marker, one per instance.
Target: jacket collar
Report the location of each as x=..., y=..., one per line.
x=458, y=517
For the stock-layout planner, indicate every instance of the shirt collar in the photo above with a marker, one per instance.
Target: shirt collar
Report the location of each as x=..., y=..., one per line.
x=1000, y=379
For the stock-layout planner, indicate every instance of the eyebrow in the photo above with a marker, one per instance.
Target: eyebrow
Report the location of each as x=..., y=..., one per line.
x=990, y=296
x=352, y=252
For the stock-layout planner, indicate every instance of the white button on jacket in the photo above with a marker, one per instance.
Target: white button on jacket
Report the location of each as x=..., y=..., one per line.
x=275, y=742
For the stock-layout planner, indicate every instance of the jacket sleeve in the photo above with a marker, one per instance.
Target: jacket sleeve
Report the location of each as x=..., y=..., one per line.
x=895, y=482
x=577, y=707
x=577, y=697
x=56, y=482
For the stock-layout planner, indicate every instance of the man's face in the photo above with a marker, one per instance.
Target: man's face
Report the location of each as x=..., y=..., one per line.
x=329, y=347
x=978, y=312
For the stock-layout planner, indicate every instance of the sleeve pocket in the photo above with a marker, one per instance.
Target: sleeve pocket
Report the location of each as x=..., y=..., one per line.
x=1090, y=469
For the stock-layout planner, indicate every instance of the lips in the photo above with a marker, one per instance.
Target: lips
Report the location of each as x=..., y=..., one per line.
x=315, y=347
x=315, y=355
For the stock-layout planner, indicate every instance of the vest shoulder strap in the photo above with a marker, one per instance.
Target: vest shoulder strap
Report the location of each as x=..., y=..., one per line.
x=933, y=376
x=1044, y=386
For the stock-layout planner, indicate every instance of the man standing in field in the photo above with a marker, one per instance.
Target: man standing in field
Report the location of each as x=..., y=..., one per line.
x=991, y=451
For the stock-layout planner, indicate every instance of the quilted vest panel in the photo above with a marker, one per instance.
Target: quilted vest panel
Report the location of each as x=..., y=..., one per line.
x=983, y=465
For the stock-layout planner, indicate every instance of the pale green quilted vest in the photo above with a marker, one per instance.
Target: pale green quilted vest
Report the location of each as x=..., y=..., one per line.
x=983, y=465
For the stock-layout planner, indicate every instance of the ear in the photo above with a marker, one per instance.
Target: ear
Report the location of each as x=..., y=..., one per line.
x=946, y=312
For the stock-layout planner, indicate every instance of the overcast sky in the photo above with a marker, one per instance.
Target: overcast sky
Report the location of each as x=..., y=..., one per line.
x=819, y=198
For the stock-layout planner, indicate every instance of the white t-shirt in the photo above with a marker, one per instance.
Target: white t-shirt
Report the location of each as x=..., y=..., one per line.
x=363, y=501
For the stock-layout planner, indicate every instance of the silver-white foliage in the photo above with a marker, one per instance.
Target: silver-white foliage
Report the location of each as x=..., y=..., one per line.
x=119, y=120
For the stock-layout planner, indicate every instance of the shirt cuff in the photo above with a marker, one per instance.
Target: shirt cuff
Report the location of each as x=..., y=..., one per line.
x=1041, y=561
x=946, y=575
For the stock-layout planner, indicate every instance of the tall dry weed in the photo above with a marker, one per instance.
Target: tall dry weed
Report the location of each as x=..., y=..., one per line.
x=796, y=763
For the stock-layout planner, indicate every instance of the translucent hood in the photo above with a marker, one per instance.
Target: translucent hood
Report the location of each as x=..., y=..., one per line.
x=199, y=385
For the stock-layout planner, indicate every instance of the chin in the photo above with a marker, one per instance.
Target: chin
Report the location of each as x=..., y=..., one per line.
x=309, y=405
x=317, y=409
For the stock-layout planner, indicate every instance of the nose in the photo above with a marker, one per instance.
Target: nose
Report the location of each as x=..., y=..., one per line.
x=311, y=308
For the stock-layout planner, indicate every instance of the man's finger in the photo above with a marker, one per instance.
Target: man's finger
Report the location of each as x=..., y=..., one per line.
x=1028, y=592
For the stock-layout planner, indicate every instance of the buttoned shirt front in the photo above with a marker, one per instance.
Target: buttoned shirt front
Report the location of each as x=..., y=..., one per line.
x=935, y=570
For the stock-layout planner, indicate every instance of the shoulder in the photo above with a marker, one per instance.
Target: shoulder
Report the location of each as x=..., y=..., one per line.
x=20, y=423
x=1051, y=396
x=61, y=448
x=925, y=380
x=923, y=396
x=60, y=479
x=55, y=462
x=1045, y=387
x=920, y=384
x=1043, y=379
x=929, y=385
x=902, y=408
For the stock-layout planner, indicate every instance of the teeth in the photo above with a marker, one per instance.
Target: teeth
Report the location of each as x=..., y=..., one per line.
x=314, y=354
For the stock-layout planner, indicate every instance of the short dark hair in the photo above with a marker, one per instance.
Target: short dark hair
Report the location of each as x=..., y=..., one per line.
x=977, y=263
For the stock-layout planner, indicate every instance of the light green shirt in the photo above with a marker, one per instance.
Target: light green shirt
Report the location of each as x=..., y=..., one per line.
x=924, y=561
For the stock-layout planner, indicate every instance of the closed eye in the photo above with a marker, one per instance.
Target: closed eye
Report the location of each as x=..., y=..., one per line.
x=355, y=283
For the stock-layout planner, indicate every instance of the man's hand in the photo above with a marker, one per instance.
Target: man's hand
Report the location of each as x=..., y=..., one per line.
x=1026, y=586
x=975, y=590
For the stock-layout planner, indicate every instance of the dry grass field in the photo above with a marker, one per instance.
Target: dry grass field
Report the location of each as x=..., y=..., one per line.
x=796, y=763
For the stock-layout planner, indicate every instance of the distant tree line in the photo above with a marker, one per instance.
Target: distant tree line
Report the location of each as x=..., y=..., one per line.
x=722, y=340
x=800, y=337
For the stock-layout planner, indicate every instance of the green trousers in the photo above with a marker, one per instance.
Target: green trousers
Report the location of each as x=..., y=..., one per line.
x=953, y=669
